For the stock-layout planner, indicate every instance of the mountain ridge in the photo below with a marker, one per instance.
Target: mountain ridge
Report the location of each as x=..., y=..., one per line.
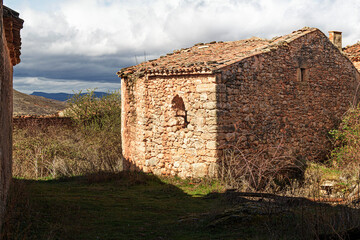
x=63, y=96
x=25, y=105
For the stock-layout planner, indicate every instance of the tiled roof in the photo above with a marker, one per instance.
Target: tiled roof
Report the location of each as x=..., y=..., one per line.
x=209, y=57
x=353, y=53
x=13, y=24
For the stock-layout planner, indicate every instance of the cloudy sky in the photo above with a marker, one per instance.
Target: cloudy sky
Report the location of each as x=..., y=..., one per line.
x=77, y=44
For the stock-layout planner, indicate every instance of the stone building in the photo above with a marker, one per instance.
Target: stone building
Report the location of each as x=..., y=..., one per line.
x=10, y=56
x=353, y=53
x=179, y=112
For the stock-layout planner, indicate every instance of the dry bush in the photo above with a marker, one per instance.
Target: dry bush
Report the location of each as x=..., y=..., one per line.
x=260, y=170
x=57, y=151
x=95, y=113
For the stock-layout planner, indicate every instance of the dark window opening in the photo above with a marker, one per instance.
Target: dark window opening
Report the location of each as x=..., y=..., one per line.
x=302, y=74
x=179, y=107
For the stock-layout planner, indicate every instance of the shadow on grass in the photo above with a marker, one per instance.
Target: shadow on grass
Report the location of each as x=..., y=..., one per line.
x=132, y=205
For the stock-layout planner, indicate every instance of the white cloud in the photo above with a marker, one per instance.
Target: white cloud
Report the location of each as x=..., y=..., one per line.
x=31, y=84
x=101, y=28
x=97, y=27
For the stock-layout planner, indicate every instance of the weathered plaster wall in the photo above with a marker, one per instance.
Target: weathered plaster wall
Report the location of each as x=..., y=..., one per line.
x=294, y=95
x=167, y=139
x=5, y=117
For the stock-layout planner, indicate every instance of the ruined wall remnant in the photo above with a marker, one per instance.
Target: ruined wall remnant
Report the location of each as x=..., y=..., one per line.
x=181, y=111
x=41, y=121
x=10, y=43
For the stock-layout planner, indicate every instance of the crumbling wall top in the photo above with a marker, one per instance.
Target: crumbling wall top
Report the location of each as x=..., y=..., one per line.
x=12, y=26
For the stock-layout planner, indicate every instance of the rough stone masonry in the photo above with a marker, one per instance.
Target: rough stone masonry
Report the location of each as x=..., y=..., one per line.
x=10, y=45
x=181, y=111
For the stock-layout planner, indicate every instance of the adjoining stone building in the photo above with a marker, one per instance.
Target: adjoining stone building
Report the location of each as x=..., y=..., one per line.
x=9, y=56
x=179, y=112
x=353, y=53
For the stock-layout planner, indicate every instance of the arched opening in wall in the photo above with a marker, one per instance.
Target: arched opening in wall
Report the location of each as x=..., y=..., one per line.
x=178, y=106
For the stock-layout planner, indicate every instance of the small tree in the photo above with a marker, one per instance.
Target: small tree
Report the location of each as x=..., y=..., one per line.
x=96, y=113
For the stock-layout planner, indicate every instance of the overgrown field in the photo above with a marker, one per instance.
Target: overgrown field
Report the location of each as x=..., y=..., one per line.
x=69, y=184
x=138, y=206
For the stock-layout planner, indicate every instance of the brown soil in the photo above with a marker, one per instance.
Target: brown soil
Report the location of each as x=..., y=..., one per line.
x=25, y=104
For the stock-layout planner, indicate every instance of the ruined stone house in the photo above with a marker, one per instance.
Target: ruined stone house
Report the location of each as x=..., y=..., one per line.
x=180, y=112
x=9, y=56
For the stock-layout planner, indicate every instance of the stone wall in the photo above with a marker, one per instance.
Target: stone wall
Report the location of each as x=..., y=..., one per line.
x=170, y=125
x=293, y=95
x=10, y=44
x=5, y=118
x=44, y=121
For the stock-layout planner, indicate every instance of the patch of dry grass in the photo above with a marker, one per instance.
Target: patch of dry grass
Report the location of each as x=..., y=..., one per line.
x=57, y=151
x=93, y=144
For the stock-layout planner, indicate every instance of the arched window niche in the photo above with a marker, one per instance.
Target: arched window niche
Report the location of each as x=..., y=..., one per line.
x=178, y=106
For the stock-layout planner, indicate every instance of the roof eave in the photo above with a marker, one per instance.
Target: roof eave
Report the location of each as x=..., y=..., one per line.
x=124, y=73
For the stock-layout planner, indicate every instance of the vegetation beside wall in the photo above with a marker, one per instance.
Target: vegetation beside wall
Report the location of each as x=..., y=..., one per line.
x=134, y=205
x=346, y=152
x=93, y=144
x=109, y=204
x=266, y=169
x=274, y=171
x=94, y=114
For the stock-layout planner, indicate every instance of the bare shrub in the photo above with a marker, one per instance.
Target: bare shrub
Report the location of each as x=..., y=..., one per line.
x=92, y=145
x=260, y=170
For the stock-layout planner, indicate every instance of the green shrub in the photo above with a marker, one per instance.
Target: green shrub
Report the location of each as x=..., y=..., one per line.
x=96, y=113
x=346, y=140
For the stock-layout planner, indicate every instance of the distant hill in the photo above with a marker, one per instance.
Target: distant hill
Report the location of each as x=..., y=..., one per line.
x=25, y=104
x=63, y=96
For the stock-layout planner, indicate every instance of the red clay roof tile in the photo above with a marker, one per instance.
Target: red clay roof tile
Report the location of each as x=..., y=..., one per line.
x=353, y=53
x=207, y=58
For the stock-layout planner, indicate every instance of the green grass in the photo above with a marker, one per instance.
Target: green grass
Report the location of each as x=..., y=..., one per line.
x=111, y=206
x=324, y=171
x=195, y=187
